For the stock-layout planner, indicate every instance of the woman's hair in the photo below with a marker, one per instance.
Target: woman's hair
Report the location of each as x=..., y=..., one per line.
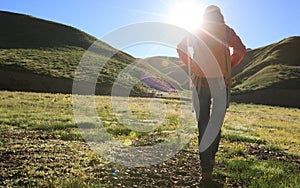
x=213, y=14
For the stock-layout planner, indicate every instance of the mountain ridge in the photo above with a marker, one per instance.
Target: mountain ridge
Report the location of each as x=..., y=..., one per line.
x=267, y=70
x=38, y=47
x=44, y=53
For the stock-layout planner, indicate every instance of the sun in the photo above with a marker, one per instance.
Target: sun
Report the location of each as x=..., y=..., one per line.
x=186, y=14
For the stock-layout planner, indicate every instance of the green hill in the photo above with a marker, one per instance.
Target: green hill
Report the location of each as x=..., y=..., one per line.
x=271, y=75
x=40, y=55
x=22, y=31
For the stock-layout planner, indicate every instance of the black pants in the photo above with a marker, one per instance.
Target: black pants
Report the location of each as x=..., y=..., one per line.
x=203, y=112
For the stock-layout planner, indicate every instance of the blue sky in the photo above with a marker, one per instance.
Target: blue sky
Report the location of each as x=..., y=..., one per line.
x=257, y=22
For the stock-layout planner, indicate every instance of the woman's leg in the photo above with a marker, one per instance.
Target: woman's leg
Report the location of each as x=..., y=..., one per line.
x=203, y=113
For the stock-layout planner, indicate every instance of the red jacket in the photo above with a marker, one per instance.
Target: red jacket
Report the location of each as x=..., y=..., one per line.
x=222, y=37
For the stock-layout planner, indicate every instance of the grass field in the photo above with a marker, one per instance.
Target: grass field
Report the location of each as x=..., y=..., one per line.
x=40, y=145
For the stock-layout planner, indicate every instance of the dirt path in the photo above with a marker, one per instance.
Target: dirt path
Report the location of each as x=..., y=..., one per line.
x=35, y=158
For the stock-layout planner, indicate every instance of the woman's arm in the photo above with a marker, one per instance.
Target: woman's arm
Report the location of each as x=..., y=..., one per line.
x=182, y=50
x=239, y=48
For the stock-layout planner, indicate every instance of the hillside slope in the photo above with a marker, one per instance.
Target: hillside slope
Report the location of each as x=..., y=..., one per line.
x=23, y=31
x=39, y=55
x=271, y=75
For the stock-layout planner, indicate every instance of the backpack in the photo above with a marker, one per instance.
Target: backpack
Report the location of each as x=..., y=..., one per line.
x=214, y=37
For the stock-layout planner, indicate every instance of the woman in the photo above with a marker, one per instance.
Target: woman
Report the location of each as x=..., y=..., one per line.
x=217, y=37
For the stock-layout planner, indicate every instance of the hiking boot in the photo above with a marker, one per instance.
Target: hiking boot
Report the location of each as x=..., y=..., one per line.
x=209, y=183
x=207, y=180
x=206, y=175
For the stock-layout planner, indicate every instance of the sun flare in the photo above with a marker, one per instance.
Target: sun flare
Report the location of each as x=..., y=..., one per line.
x=186, y=14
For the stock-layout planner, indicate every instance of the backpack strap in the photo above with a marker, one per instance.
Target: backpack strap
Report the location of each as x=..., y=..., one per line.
x=228, y=78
